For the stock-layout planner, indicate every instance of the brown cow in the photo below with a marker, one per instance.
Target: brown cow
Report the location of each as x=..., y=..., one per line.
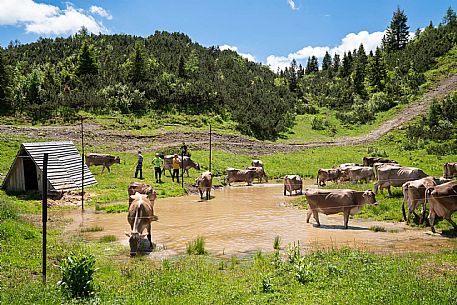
x=396, y=176
x=369, y=161
x=239, y=175
x=327, y=174
x=334, y=201
x=144, y=189
x=259, y=173
x=187, y=164
x=414, y=194
x=450, y=170
x=443, y=202
x=102, y=159
x=204, y=184
x=293, y=183
x=360, y=173
x=379, y=164
x=139, y=217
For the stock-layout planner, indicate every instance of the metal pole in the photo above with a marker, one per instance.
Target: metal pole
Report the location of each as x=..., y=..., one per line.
x=82, y=164
x=182, y=168
x=210, y=147
x=44, y=209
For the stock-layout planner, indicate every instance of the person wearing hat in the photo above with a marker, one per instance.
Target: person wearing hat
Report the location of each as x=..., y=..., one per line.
x=158, y=164
x=176, y=164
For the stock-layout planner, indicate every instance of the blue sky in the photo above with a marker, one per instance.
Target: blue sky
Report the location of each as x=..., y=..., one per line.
x=269, y=31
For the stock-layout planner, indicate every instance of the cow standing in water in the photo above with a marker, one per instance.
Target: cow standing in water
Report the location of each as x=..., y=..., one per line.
x=204, y=184
x=140, y=216
x=335, y=201
x=293, y=183
x=101, y=159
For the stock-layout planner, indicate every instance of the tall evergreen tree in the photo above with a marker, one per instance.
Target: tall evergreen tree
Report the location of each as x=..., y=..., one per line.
x=450, y=19
x=376, y=72
x=397, y=33
x=4, y=84
x=136, y=66
x=87, y=64
x=336, y=63
x=312, y=66
x=326, y=62
x=345, y=68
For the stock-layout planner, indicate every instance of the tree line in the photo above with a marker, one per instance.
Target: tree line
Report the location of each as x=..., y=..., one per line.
x=168, y=72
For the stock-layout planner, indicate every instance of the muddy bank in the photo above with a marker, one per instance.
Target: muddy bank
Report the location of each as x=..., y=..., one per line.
x=241, y=219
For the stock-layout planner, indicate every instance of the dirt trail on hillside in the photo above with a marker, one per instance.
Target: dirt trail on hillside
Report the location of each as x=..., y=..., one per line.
x=116, y=140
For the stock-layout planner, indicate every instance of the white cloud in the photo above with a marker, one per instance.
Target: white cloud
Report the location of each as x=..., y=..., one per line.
x=41, y=18
x=350, y=42
x=233, y=48
x=100, y=11
x=292, y=5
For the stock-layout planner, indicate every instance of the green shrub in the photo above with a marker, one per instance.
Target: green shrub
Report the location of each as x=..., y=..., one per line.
x=78, y=275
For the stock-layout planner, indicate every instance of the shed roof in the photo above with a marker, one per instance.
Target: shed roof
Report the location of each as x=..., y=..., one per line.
x=64, y=164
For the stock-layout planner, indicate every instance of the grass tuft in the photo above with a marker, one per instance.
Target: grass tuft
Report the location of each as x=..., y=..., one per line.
x=196, y=247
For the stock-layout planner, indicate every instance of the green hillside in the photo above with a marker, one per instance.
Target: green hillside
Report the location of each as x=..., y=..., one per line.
x=167, y=74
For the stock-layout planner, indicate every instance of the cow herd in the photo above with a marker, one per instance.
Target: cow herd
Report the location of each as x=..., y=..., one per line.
x=418, y=189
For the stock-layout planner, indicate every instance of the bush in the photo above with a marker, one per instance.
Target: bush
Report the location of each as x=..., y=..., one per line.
x=77, y=275
x=379, y=102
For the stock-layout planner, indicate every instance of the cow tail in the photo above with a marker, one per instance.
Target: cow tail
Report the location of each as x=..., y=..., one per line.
x=427, y=195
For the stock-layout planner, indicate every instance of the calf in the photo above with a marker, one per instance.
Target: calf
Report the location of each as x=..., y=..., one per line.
x=293, y=183
x=204, y=184
x=335, y=201
x=239, y=175
x=101, y=159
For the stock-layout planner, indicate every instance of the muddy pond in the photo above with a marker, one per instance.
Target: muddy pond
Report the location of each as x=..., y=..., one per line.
x=240, y=220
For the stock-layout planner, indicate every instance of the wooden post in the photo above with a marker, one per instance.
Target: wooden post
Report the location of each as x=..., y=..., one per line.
x=44, y=209
x=82, y=164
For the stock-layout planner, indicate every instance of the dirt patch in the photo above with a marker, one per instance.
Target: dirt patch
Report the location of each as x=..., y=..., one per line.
x=127, y=141
x=435, y=269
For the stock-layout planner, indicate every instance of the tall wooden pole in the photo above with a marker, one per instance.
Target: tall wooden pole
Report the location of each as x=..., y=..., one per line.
x=82, y=164
x=44, y=209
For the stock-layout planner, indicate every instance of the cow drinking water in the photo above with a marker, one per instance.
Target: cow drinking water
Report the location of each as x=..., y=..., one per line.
x=140, y=216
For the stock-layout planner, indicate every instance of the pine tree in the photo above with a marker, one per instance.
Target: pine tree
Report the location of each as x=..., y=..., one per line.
x=450, y=20
x=376, y=72
x=327, y=64
x=336, y=63
x=345, y=68
x=136, y=67
x=397, y=33
x=4, y=84
x=86, y=61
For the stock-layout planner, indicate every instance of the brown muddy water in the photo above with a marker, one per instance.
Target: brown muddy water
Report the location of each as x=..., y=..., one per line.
x=244, y=219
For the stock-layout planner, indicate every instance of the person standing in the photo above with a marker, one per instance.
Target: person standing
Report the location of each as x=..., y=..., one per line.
x=139, y=165
x=176, y=164
x=158, y=164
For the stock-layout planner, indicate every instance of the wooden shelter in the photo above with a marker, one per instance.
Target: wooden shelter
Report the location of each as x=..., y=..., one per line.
x=64, y=168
